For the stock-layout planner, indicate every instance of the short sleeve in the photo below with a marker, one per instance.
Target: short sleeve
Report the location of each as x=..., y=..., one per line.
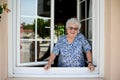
x=56, y=48
x=86, y=46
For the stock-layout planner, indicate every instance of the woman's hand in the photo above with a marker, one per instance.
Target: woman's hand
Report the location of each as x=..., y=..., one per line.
x=47, y=66
x=91, y=67
x=51, y=59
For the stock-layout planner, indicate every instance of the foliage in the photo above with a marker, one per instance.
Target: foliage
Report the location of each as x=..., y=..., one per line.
x=3, y=8
x=42, y=31
x=42, y=27
x=59, y=30
x=28, y=26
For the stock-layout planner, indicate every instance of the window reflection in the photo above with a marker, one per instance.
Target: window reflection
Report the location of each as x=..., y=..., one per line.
x=43, y=28
x=28, y=7
x=27, y=28
x=89, y=7
x=33, y=47
x=82, y=10
x=82, y=30
x=89, y=23
x=26, y=32
x=25, y=51
x=44, y=51
x=29, y=50
x=33, y=39
x=44, y=8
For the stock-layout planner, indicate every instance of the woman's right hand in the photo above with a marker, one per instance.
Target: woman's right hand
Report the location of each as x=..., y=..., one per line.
x=47, y=66
x=51, y=59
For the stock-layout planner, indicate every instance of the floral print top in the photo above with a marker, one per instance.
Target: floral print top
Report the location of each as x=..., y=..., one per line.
x=71, y=55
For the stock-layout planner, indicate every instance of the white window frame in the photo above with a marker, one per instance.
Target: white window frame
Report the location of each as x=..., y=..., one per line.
x=98, y=20
x=18, y=34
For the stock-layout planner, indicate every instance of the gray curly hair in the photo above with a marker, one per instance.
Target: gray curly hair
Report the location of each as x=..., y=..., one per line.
x=75, y=21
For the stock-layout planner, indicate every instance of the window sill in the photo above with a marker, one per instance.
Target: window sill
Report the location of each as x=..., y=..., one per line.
x=55, y=72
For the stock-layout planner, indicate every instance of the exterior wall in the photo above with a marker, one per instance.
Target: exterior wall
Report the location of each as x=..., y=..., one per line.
x=3, y=45
x=115, y=39
x=107, y=36
x=112, y=38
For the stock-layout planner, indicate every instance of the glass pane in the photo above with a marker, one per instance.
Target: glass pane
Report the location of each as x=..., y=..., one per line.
x=28, y=7
x=89, y=33
x=28, y=50
x=43, y=8
x=33, y=49
x=82, y=10
x=89, y=29
x=44, y=51
x=82, y=30
x=43, y=28
x=89, y=8
x=27, y=28
x=25, y=55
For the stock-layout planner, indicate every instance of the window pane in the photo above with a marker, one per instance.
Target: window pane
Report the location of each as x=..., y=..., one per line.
x=28, y=7
x=30, y=49
x=89, y=24
x=86, y=29
x=34, y=48
x=27, y=28
x=82, y=10
x=89, y=33
x=43, y=28
x=82, y=30
x=34, y=31
x=25, y=55
x=43, y=8
x=44, y=51
x=89, y=8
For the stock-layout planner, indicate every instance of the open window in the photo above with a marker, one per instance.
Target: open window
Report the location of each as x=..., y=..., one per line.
x=85, y=15
x=35, y=27
x=35, y=32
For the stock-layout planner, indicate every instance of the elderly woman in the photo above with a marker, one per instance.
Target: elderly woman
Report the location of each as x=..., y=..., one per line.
x=70, y=48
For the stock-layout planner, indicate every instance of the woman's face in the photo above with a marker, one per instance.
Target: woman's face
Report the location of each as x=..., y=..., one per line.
x=72, y=30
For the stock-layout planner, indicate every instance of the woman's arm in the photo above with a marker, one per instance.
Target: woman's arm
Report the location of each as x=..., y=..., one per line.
x=51, y=59
x=89, y=58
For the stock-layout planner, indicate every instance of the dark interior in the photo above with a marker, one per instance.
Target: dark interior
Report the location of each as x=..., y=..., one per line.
x=64, y=9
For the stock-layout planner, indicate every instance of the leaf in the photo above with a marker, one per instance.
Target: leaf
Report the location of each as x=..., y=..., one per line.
x=1, y=9
x=4, y=6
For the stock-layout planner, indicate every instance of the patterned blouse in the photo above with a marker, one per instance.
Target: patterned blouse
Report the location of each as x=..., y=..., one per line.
x=71, y=55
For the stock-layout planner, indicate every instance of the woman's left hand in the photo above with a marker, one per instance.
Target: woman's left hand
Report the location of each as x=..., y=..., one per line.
x=91, y=67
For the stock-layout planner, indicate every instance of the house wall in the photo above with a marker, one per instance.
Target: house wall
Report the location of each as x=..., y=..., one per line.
x=3, y=45
x=107, y=37
x=115, y=40
x=111, y=54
